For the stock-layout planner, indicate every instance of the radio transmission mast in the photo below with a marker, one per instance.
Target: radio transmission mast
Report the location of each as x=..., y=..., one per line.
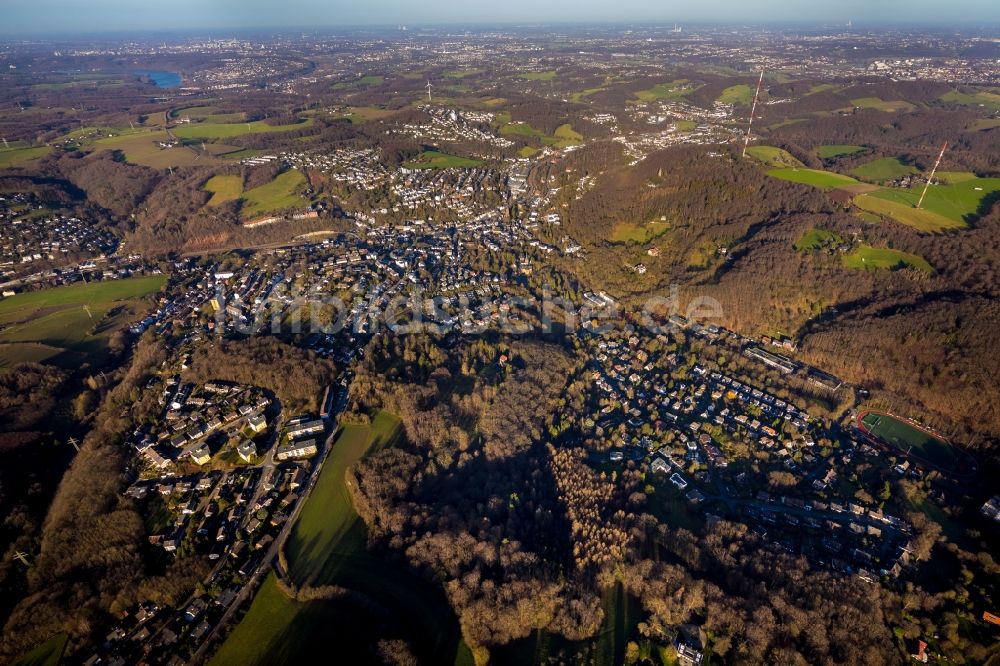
x=933, y=171
x=753, y=108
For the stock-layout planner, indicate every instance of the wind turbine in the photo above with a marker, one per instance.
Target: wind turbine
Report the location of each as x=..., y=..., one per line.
x=933, y=171
x=5, y=145
x=74, y=442
x=22, y=557
x=753, y=108
x=429, y=86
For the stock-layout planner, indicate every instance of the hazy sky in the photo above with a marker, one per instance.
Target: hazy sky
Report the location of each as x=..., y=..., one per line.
x=40, y=16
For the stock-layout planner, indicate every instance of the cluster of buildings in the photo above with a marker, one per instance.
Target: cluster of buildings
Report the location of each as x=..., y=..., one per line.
x=452, y=126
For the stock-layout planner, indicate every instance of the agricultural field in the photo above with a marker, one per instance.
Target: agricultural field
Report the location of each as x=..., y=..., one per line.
x=673, y=90
x=985, y=98
x=70, y=326
x=363, y=114
x=773, y=156
x=281, y=193
x=14, y=157
x=814, y=239
x=884, y=169
x=870, y=258
x=462, y=73
x=951, y=206
x=208, y=130
x=141, y=147
x=906, y=436
x=881, y=104
x=209, y=114
x=631, y=232
x=738, y=94
x=328, y=546
x=224, y=188
x=433, y=159
x=538, y=76
x=838, y=150
x=826, y=180
x=368, y=81
x=563, y=136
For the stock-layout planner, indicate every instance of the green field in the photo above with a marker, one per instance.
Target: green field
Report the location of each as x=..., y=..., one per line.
x=462, y=73
x=738, y=94
x=672, y=90
x=280, y=194
x=368, y=81
x=48, y=653
x=563, y=137
x=773, y=156
x=838, y=150
x=952, y=206
x=826, y=180
x=68, y=326
x=209, y=130
x=527, y=151
x=872, y=258
x=223, y=188
x=363, y=114
x=814, y=239
x=141, y=147
x=538, y=76
x=12, y=157
x=986, y=98
x=884, y=169
x=881, y=104
x=632, y=232
x=906, y=437
x=432, y=159
x=328, y=546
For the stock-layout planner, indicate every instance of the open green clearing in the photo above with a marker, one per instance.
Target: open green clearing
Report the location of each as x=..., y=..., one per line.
x=673, y=90
x=363, y=114
x=872, y=258
x=905, y=436
x=838, y=150
x=224, y=188
x=462, y=73
x=142, y=147
x=988, y=98
x=773, y=156
x=563, y=137
x=229, y=130
x=328, y=546
x=632, y=232
x=71, y=325
x=368, y=81
x=538, y=76
x=951, y=206
x=738, y=94
x=881, y=104
x=884, y=169
x=826, y=180
x=281, y=193
x=13, y=157
x=432, y=159
x=814, y=239
x=48, y=653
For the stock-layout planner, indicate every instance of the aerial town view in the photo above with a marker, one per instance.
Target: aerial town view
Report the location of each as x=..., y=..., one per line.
x=638, y=333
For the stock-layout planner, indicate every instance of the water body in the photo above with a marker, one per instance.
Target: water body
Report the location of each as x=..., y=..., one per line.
x=160, y=78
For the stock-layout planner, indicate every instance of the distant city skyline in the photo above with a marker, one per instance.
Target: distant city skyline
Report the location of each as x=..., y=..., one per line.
x=73, y=16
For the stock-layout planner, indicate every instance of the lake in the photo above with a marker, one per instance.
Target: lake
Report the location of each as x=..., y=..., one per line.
x=160, y=78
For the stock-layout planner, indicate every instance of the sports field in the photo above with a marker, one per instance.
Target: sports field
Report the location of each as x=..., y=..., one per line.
x=826, y=180
x=71, y=325
x=906, y=437
x=433, y=159
x=873, y=258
